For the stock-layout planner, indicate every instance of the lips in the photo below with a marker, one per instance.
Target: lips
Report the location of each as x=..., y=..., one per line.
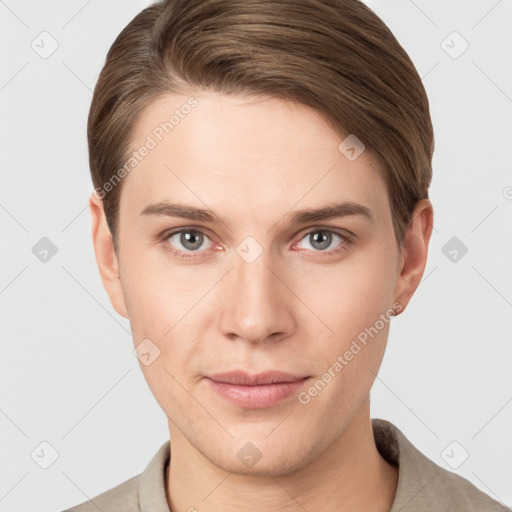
x=245, y=379
x=259, y=391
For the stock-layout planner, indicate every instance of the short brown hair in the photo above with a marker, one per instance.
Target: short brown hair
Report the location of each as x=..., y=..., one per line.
x=335, y=56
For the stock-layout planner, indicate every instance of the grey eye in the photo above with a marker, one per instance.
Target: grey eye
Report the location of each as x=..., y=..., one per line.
x=190, y=240
x=321, y=239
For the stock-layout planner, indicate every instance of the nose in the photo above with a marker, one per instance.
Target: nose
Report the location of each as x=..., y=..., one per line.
x=257, y=303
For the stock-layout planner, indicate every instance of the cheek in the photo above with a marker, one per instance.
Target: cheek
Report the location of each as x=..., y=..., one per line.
x=351, y=296
x=157, y=295
x=165, y=305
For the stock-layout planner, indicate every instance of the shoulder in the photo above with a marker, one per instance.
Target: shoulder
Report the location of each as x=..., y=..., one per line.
x=456, y=491
x=424, y=485
x=122, y=497
x=142, y=492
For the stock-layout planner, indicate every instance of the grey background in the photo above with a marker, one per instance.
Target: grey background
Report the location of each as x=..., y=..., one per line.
x=68, y=375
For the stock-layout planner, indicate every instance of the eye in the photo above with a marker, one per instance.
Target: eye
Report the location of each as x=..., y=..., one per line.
x=325, y=240
x=193, y=243
x=187, y=241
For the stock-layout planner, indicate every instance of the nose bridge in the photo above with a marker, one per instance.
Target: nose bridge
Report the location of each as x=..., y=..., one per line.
x=257, y=304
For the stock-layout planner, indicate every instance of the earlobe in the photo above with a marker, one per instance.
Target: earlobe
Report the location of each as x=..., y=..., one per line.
x=106, y=257
x=414, y=252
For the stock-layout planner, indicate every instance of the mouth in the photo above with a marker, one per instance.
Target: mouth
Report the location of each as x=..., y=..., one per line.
x=257, y=391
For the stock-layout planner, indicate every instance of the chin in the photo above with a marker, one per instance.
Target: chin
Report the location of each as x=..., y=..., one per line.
x=275, y=467
x=270, y=460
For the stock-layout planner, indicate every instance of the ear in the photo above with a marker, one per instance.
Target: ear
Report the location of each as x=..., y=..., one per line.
x=106, y=257
x=414, y=251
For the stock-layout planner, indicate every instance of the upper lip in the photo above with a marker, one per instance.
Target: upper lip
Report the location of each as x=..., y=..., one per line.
x=245, y=379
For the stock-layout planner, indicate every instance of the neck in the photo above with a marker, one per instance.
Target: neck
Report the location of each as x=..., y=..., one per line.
x=349, y=475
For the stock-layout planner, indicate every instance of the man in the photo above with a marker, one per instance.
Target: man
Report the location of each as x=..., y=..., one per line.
x=260, y=214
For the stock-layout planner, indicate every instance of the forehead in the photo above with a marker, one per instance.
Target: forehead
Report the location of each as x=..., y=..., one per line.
x=263, y=153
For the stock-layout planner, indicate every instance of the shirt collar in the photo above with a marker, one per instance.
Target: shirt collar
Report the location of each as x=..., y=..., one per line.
x=152, y=485
x=415, y=470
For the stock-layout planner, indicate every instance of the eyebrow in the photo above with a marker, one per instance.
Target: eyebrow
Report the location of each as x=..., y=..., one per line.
x=332, y=211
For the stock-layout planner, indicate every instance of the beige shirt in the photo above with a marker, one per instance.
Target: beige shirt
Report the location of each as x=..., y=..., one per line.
x=422, y=485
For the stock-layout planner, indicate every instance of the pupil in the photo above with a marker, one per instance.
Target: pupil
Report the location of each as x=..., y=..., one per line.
x=325, y=239
x=190, y=239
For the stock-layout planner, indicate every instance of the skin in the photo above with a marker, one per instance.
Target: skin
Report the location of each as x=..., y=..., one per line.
x=254, y=162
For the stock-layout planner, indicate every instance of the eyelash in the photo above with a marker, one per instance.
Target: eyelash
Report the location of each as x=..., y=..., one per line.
x=164, y=237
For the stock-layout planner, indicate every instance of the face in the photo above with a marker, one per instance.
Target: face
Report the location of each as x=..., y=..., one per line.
x=224, y=267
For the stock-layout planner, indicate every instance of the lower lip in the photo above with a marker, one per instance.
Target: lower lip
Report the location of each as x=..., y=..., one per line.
x=257, y=397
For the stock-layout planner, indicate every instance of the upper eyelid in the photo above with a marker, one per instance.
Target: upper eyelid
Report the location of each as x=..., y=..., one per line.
x=171, y=232
x=343, y=233
x=337, y=231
